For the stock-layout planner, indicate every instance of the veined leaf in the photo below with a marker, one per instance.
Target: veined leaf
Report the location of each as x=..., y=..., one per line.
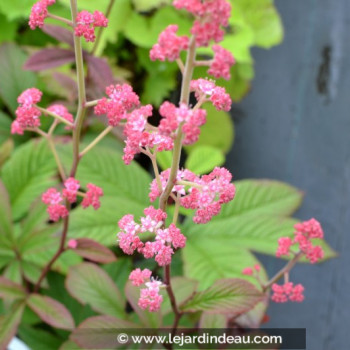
x=51, y=311
x=38, y=339
x=13, y=79
x=209, y=320
x=99, y=332
x=227, y=296
x=221, y=259
x=11, y=290
x=6, y=229
x=28, y=174
x=91, y=285
x=9, y=323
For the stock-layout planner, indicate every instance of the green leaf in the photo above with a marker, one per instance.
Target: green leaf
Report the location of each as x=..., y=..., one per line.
x=149, y=319
x=11, y=290
x=263, y=18
x=184, y=289
x=223, y=259
x=119, y=271
x=91, y=285
x=9, y=323
x=99, y=330
x=204, y=159
x=6, y=149
x=209, y=320
x=27, y=175
x=38, y=339
x=6, y=228
x=91, y=250
x=102, y=225
x=259, y=197
x=227, y=296
x=51, y=311
x=217, y=132
x=5, y=127
x=164, y=159
x=8, y=29
x=13, y=79
x=254, y=317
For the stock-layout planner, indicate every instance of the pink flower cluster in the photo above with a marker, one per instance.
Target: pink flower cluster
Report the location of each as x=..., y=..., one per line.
x=63, y=112
x=210, y=15
x=205, y=88
x=149, y=297
x=54, y=198
x=87, y=22
x=169, y=45
x=166, y=240
x=204, y=194
x=287, y=291
x=222, y=63
x=39, y=13
x=27, y=114
x=138, y=135
x=189, y=120
x=304, y=233
x=122, y=99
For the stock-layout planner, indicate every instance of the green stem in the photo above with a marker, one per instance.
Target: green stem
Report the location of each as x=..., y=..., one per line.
x=57, y=158
x=81, y=92
x=96, y=140
x=56, y=116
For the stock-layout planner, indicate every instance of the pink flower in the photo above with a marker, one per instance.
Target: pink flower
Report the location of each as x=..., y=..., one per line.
x=216, y=94
x=122, y=99
x=27, y=114
x=210, y=17
x=284, y=244
x=63, y=112
x=72, y=244
x=39, y=13
x=174, y=116
x=139, y=276
x=87, y=22
x=150, y=297
x=281, y=293
x=311, y=228
x=206, y=195
x=71, y=189
x=92, y=196
x=53, y=198
x=222, y=63
x=169, y=45
x=57, y=211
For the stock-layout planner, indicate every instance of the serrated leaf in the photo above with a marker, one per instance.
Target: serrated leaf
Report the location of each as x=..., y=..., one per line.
x=149, y=319
x=259, y=197
x=227, y=296
x=91, y=250
x=204, y=159
x=9, y=323
x=49, y=58
x=38, y=339
x=51, y=311
x=222, y=260
x=99, y=332
x=11, y=290
x=28, y=174
x=91, y=285
x=13, y=79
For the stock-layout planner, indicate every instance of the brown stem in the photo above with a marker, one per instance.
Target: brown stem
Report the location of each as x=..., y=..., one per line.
x=284, y=270
x=60, y=250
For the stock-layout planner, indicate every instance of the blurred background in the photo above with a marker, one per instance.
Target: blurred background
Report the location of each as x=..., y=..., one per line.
x=294, y=126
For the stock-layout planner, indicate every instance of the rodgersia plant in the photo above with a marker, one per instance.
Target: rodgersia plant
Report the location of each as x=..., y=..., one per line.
x=159, y=233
